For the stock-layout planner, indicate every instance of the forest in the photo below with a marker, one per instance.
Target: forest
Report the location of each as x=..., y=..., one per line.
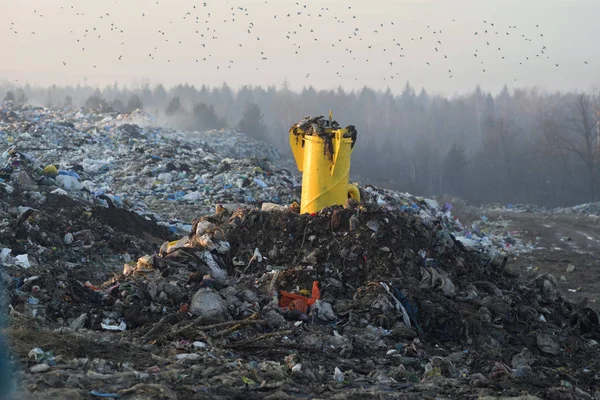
x=516, y=146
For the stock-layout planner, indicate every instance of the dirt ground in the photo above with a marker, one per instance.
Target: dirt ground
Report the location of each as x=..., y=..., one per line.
x=562, y=240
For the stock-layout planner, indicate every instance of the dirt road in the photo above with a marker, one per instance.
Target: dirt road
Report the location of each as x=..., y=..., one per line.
x=562, y=240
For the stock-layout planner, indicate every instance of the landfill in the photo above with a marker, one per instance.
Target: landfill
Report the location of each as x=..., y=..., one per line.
x=589, y=209
x=141, y=262
x=136, y=164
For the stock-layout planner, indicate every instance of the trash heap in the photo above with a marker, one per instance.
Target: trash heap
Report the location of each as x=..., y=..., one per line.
x=495, y=237
x=140, y=167
x=354, y=300
x=130, y=161
x=234, y=144
x=515, y=208
x=251, y=299
x=490, y=237
x=592, y=209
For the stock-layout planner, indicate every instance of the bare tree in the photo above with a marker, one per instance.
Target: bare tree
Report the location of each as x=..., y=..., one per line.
x=578, y=135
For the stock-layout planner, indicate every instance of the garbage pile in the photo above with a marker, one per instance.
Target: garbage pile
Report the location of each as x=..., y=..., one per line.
x=165, y=175
x=515, y=208
x=585, y=209
x=490, y=237
x=109, y=298
x=228, y=143
x=354, y=300
x=592, y=209
x=94, y=156
x=494, y=236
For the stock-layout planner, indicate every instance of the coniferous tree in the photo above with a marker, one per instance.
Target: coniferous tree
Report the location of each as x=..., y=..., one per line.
x=252, y=122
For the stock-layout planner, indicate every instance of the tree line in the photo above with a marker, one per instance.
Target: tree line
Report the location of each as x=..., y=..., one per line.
x=520, y=146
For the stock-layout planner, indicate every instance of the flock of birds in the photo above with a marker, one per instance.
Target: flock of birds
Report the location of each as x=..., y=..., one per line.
x=351, y=45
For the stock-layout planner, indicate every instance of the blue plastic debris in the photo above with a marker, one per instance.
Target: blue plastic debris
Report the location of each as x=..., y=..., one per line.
x=105, y=395
x=260, y=182
x=176, y=196
x=411, y=309
x=69, y=173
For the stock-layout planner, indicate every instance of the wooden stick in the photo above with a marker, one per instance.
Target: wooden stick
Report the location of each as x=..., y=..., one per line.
x=230, y=323
x=185, y=328
x=157, y=326
x=228, y=330
x=259, y=337
x=220, y=325
x=236, y=326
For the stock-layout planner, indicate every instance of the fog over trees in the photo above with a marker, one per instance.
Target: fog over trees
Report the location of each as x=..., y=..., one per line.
x=518, y=146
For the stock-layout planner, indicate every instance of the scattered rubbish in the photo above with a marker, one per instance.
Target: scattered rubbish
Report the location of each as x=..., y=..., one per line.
x=4, y=254
x=209, y=305
x=548, y=343
x=323, y=311
x=297, y=368
x=79, y=322
x=68, y=239
x=188, y=357
x=39, y=368
x=248, y=381
x=274, y=207
x=110, y=326
x=22, y=260
x=40, y=356
x=566, y=384
x=373, y=225
x=69, y=183
x=105, y=395
x=338, y=375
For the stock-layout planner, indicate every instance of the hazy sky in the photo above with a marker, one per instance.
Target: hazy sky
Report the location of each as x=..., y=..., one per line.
x=337, y=43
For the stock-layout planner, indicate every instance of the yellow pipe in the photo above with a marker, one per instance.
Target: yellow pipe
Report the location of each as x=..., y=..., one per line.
x=324, y=175
x=353, y=192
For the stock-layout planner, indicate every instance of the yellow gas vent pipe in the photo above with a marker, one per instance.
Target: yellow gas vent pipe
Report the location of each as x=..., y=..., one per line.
x=322, y=152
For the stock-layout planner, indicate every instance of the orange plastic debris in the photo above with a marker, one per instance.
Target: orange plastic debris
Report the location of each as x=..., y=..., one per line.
x=316, y=294
x=295, y=301
x=90, y=286
x=299, y=305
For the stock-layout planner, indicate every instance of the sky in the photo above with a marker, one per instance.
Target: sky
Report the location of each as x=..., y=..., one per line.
x=445, y=46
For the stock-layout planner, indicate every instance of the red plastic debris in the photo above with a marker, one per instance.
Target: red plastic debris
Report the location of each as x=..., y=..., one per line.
x=184, y=308
x=295, y=301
